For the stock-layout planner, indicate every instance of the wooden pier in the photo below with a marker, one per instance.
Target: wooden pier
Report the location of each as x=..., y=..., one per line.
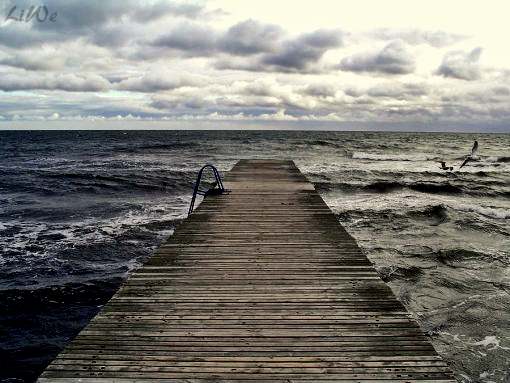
x=261, y=285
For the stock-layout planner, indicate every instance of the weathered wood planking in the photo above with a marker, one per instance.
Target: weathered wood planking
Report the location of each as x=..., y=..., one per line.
x=262, y=285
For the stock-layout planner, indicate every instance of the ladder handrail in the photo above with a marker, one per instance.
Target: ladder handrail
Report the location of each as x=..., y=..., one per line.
x=205, y=193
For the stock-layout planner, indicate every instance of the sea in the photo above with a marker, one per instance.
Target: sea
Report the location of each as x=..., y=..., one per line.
x=82, y=210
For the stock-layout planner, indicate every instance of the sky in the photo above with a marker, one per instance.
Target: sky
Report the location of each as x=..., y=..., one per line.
x=229, y=64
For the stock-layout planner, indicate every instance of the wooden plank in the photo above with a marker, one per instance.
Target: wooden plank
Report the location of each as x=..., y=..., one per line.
x=261, y=285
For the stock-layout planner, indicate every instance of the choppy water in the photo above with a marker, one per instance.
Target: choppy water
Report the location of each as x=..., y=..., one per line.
x=80, y=211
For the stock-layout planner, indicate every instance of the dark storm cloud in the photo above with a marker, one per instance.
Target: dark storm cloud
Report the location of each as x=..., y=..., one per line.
x=298, y=54
x=392, y=59
x=437, y=39
x=461, y=65
x=250, y=37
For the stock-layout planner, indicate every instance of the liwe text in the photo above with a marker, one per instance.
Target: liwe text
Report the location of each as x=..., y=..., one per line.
x=30, y=14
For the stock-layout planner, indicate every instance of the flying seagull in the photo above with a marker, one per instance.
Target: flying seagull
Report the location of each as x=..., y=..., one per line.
x=475, y=147
x=466, y=161
x=473, y=152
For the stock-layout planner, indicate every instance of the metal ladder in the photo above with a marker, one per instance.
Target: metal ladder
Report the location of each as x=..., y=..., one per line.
x=214, y=191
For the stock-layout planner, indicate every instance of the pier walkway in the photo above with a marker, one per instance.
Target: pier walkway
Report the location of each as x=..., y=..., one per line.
x=261, y=285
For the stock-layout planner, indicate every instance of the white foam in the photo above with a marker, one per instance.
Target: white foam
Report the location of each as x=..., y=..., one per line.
x=491, y=343
x=497, y=213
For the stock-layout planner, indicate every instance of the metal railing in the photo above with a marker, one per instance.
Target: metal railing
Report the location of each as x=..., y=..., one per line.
x=208, y=192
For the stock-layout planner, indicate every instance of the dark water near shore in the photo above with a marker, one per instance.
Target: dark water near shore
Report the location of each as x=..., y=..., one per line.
x=81, y=210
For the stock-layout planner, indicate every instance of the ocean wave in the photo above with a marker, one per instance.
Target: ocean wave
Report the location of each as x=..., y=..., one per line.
x=455, y=257
x=394, y=157
x=94, y=292
x=324, y=143
x=491, y=343
x=434, y=215
x=390, y=273
x=490, y=212
x=95, y=181
x=423, y=187
x=155, y=147
x=435, y=188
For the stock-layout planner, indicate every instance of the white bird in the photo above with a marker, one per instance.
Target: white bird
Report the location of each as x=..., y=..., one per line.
x=465, y=161
x=475, y=147
x=473, y=152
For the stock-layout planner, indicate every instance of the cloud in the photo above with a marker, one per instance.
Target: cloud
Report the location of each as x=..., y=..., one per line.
x=69, y=82
x=159, y=79
x=19, y=35
x=193, y=39
x=163, y=8
x=461, y=65
x=392, y=59
x=77, y=15
x=251, y=46
x=299, y=54
x=58, y=57
x=436, y=39
x=320, y=90
x=180, y=104
x=31, y=61
x=107, y=23
x=398, y=91
x=250, y=37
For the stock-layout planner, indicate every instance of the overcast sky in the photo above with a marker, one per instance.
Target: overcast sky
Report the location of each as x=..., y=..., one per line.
x=427, y=65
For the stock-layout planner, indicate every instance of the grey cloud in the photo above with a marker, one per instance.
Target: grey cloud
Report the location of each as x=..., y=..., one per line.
x=157, y=80
x=250, y=37
x=461, y=65
x=73, y=15
x=436, y=39
x=107, y=23
x=392, y=59
x=182, y=104
x=75, y=55
x=163, y=8
x=501, y=91
x=113, y=36
x=67, y=82
x=18, y=35
x=299, y=53
x=353, y=92
x=320, y=90
x=191, y=38
x=33, y=62
x=398, y=91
